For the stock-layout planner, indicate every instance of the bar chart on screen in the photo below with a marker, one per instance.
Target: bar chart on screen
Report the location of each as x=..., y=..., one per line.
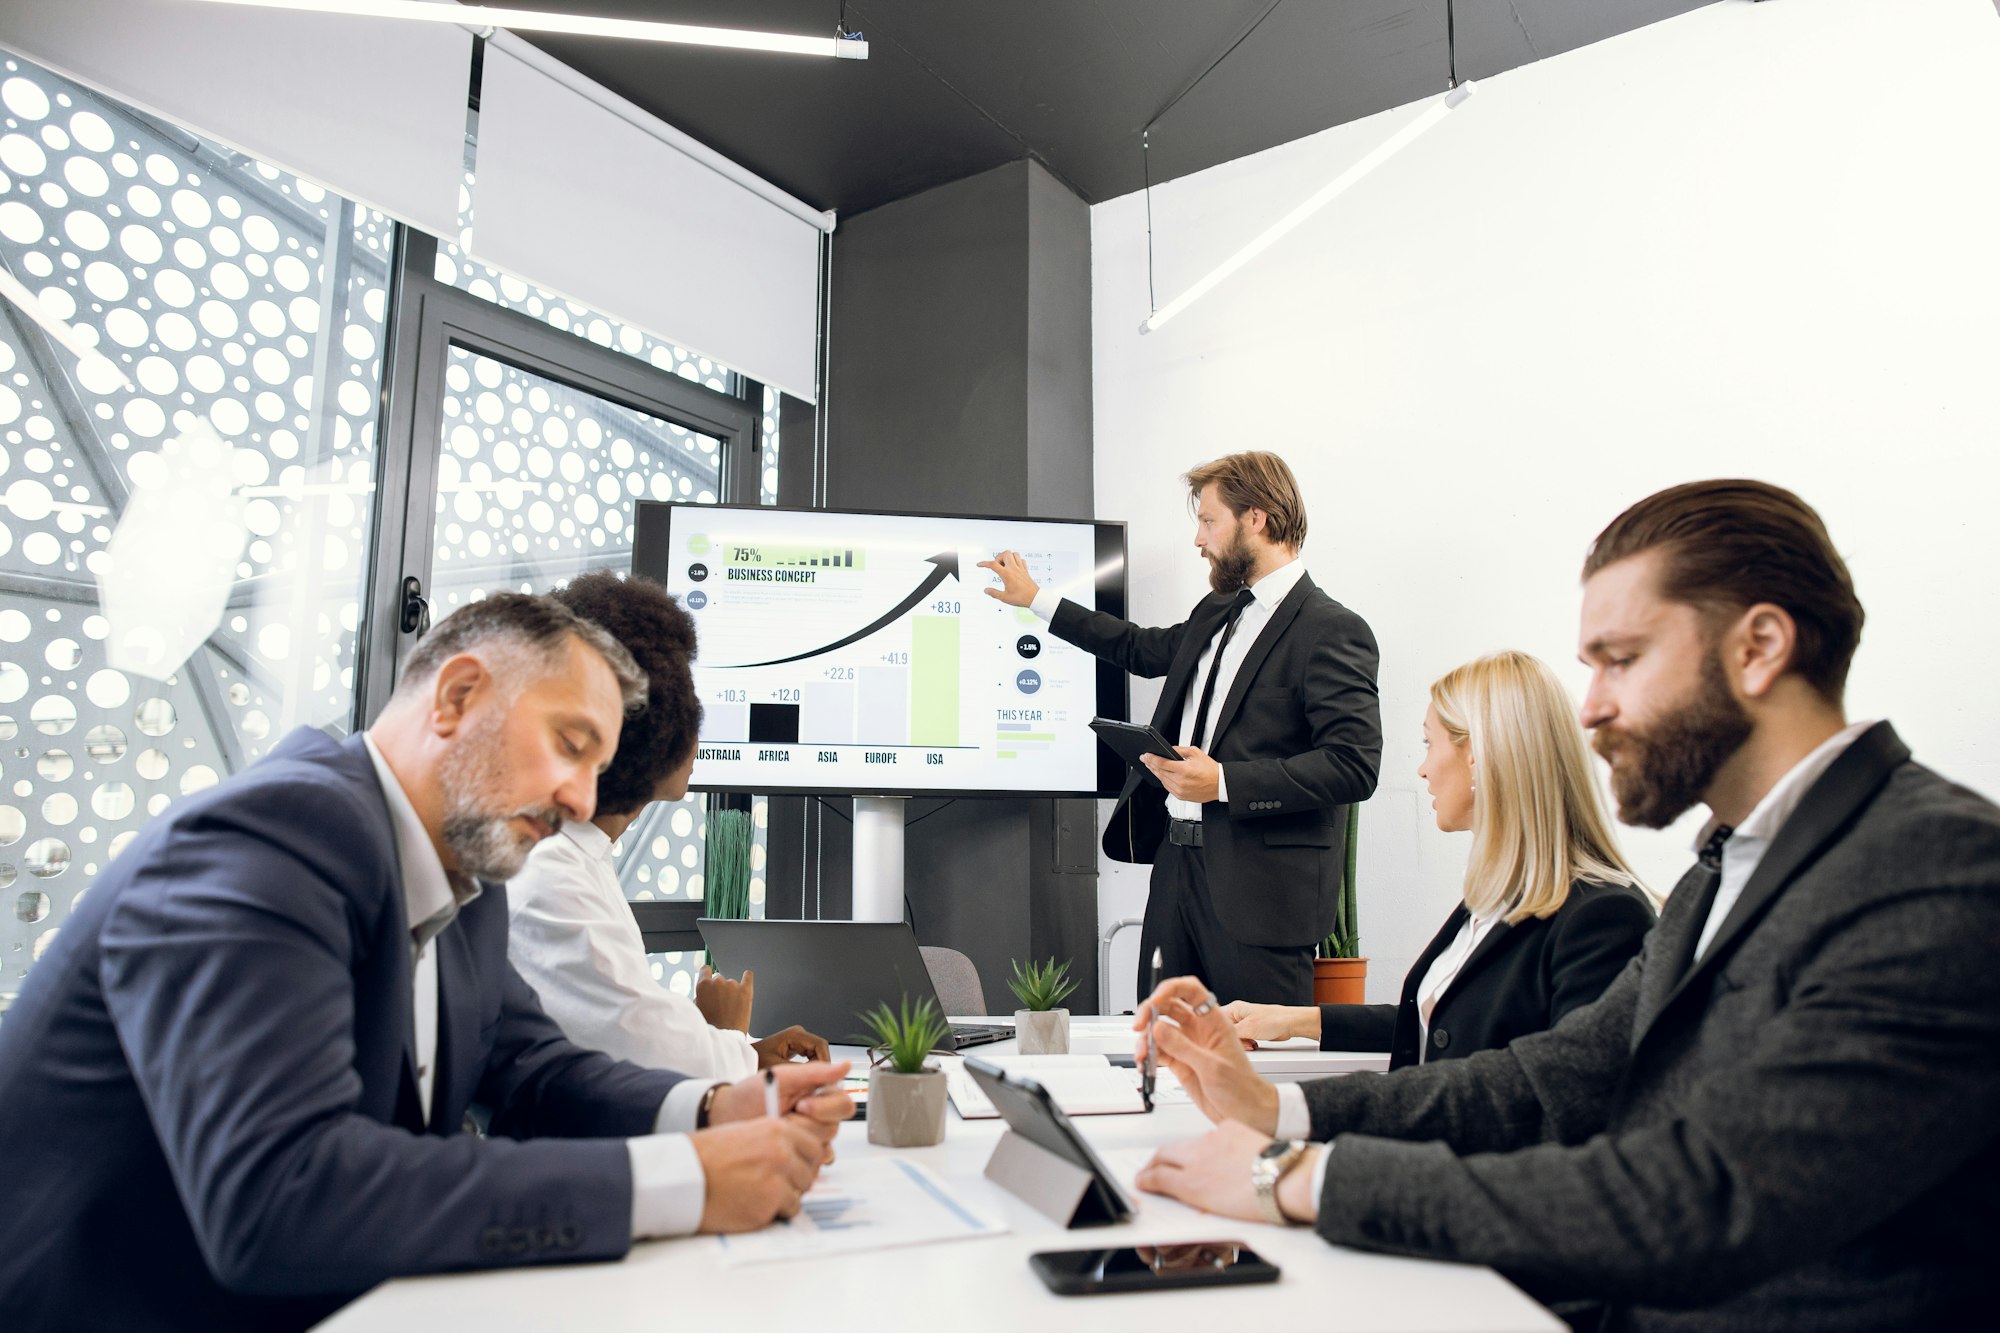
x=860, y=652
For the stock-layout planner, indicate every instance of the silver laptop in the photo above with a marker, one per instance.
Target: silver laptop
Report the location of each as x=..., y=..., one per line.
x=823, y=975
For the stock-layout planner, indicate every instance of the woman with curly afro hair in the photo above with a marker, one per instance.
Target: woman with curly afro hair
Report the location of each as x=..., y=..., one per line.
x=571, y=934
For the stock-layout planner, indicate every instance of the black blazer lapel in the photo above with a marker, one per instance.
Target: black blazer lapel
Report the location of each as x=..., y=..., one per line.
x=1829, y=806
x=1281, y=620
x=1439, y=943
x=1488, y=947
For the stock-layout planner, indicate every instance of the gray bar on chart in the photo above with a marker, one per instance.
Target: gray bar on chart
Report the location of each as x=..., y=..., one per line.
x=725, y=724
x=883, y=712
x=826, y=712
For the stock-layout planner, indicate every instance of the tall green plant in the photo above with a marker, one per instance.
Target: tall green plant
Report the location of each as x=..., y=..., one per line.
x=907, y=1034
x=725, y=890
x=1345, y=939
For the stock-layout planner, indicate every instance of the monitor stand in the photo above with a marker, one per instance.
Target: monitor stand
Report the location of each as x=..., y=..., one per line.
x=878, y=858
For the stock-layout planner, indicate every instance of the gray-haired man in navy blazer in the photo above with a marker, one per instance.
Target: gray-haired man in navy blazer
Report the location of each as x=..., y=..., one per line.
x=245, y=1064
x=1270, y=697
x=1785, y=1113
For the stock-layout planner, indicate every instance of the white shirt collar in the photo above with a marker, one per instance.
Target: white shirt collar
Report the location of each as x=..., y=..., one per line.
x=1788, y=791
x=589, y=839
x=427, y=890
x=1275, y=586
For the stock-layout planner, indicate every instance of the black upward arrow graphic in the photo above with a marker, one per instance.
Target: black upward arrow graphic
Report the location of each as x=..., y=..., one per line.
x=946, y=567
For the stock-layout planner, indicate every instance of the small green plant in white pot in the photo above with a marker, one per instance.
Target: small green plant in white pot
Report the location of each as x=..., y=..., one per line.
x=1041, y=1025
x=906, y=1093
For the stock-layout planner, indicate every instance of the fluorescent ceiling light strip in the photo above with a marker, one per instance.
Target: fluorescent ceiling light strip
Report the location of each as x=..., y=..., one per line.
x=1325, y=195
x=31, y=305
x=532, y=20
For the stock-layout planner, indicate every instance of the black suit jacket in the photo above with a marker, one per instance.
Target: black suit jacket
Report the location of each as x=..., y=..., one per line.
x=1800, y=1130
x=1299, y=737
x=212, y=1067
x=1522, y=978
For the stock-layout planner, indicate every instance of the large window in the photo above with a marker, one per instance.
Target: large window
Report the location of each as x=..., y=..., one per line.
x=226, y=291
x=515, y=433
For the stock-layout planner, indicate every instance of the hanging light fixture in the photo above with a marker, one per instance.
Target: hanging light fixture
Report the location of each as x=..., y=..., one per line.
x=1455, y=95
x=841, y=45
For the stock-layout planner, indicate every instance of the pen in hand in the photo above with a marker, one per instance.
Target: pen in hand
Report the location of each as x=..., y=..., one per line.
x=770, y=1094
x=1146, y=1067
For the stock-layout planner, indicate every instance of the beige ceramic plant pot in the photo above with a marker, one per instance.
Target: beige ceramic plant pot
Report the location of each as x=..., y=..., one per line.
x=1042, y=1031
x=906, y=1110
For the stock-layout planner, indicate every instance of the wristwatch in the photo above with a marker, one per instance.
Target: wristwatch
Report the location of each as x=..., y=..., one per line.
x=1268, y=1169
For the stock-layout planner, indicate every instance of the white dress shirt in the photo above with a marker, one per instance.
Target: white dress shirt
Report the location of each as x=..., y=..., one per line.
x=1266, y=593
x=1745, y=848
x=668, y=1188
x=572, y=937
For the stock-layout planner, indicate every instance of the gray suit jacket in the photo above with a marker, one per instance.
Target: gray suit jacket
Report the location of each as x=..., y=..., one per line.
x=1802, y=1131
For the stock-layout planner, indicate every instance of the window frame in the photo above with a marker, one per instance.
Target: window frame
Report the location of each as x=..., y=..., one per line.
x=426, y=320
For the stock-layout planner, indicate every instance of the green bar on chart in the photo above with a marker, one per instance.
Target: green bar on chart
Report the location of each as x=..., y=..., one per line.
x=934, y=680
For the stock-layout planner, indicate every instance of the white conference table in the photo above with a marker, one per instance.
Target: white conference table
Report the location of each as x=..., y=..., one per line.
x=970, y=1285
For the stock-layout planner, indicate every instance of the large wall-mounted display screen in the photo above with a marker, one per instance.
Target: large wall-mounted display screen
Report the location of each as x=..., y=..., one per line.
x=858, y=654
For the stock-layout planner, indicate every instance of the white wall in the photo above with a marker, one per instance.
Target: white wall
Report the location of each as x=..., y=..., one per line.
x=1754, y=240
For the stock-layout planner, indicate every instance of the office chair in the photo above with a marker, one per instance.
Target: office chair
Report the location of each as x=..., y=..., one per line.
x=956, y=979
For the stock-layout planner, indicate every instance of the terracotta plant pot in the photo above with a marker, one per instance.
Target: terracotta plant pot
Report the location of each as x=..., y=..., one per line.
x=906, y=1110
x=1340, y=980
x=1042, y=1031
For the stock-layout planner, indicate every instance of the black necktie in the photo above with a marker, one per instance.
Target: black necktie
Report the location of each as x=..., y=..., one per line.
x=1702, y=880
x=1215, y=668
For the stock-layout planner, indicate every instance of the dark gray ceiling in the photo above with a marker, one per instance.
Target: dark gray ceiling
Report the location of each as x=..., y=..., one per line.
x=953, y=87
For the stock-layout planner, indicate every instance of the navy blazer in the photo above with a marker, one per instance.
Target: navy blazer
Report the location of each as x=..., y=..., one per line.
x=1522, y=978
x=209, y=1078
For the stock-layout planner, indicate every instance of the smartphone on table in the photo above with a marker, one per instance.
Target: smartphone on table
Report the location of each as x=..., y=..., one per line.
x=1162, y=1267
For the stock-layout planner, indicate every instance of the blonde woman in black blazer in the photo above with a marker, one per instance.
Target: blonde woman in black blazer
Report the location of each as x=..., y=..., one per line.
x=1551, y=912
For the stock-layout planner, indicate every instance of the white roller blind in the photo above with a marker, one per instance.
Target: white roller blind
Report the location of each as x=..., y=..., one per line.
x=371, y=109
x=585, y=194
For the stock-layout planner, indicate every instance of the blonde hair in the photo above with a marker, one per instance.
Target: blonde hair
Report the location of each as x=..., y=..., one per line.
x=1538, y=823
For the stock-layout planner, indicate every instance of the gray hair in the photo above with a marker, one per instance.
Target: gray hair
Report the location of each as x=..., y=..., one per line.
x=518, y=624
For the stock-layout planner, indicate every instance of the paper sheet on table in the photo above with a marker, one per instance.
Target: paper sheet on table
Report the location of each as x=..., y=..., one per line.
x=1080, y=1084
x=871, y=1204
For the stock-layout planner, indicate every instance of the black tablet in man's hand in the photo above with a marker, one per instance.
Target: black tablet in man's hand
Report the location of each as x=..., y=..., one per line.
x=1132, y=739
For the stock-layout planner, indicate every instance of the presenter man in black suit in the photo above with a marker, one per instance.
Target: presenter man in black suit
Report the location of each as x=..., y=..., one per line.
x=1270, y=694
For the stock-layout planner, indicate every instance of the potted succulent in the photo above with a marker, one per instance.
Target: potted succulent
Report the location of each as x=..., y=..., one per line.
x=1040, y=1026
x=906, y=1093
x=1340, y=973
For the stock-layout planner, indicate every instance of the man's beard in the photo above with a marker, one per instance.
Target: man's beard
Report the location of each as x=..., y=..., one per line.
x=481, y=837
x=1230, y=571
x=1668, y=767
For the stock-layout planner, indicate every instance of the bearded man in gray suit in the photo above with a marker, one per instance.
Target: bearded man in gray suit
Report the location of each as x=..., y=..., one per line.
x=1785, y=1113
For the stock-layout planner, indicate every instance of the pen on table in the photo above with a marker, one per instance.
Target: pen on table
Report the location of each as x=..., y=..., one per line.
x=770, y=1094
x=1146, y=1068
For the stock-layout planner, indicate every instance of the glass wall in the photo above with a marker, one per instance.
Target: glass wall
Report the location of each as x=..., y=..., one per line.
x=235, y=297
x=227, y=292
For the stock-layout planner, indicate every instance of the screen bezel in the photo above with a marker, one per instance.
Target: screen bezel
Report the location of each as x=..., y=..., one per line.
x=652, y=529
